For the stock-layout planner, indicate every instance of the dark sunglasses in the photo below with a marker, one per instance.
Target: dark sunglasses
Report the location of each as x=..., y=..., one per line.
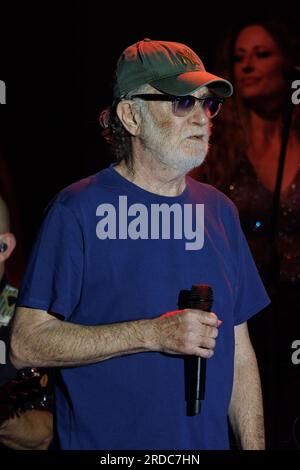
x=183, y=105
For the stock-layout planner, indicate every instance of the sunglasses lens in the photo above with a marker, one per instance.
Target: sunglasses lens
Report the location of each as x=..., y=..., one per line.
x=183, y=105
x=211, y=106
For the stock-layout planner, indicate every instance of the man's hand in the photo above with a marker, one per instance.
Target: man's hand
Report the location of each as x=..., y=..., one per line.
x=187, y=331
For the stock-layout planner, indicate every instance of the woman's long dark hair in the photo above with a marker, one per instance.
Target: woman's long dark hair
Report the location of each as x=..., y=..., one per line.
x=229, y=136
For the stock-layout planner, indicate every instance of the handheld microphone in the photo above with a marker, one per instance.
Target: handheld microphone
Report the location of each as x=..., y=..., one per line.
x=200, y=297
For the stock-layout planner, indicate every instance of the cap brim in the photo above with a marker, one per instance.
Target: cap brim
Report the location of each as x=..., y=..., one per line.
x=189, y=82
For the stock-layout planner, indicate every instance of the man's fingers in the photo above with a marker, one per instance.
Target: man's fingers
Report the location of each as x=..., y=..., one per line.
x=210, y=331
x=208, y=343
x=209, y=318
x=202, y=352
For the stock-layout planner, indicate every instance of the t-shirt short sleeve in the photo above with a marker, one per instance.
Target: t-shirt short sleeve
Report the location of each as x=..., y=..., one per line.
x=53, y=279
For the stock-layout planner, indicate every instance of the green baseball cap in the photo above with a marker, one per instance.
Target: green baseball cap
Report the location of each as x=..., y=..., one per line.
x=170, y=67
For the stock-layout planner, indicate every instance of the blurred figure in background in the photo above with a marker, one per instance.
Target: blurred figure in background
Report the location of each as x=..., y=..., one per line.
x=25, y=402
x=16, y=263
x=260, y=58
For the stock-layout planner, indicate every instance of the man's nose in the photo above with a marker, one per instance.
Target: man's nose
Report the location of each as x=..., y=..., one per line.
x=199, y=115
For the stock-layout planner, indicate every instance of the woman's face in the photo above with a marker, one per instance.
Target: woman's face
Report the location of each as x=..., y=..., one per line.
x=258, y=64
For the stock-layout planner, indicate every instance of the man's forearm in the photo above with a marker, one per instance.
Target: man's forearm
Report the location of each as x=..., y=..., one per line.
x=246, y=408
x=41, y=340
x=57, y=343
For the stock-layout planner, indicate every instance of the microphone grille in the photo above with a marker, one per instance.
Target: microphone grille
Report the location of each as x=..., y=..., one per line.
x=201, y=292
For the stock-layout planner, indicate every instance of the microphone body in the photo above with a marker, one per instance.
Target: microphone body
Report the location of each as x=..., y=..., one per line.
x=200, y=297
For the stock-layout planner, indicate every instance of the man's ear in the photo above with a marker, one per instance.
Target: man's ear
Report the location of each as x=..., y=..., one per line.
x=10, y=241
x=129, y=116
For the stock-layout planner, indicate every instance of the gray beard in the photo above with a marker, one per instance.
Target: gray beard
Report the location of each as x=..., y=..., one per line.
x=155, y=141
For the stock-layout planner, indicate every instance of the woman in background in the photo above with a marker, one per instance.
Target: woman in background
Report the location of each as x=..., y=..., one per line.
x=259, y=58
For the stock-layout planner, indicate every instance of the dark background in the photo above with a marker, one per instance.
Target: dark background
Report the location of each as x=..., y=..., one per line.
x=57, y=60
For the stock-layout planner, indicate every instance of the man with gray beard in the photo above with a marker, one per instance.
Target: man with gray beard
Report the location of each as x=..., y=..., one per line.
x=100, y=296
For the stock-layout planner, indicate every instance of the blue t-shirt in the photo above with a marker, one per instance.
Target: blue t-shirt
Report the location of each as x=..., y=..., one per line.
x=106, y=254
